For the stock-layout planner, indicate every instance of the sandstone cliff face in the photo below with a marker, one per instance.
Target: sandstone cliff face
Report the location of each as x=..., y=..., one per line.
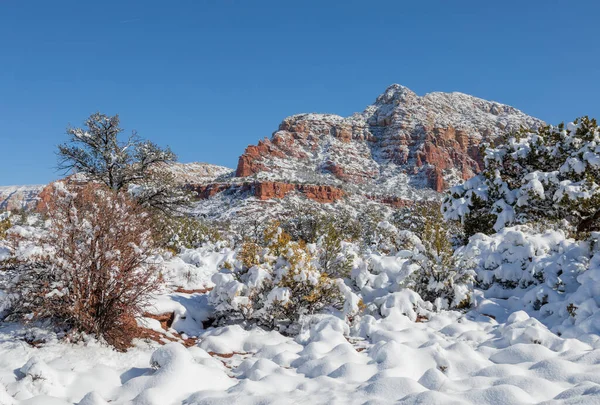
x=267, y=190
x=399, y=144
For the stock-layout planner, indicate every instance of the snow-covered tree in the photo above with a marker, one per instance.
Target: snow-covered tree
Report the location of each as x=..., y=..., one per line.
x=549, y=175
x=133, y=165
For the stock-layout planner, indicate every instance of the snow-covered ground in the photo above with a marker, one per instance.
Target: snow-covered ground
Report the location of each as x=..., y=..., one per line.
x=495, y=354
x=450, y=358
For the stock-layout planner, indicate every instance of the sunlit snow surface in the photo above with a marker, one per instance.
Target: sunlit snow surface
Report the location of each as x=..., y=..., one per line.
x=493, y=355
x=451, y=358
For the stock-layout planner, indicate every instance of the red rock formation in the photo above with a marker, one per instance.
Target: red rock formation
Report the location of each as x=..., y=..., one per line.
x=434, y=137
x=268, y=189
x=322, y=194
x=442, y=149
x=435, y=177
x=248, y=162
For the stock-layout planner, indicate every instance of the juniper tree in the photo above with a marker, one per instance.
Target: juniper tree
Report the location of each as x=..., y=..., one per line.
x=549, y=175
x=134, y=165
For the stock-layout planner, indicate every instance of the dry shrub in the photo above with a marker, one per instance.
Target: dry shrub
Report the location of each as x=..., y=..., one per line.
x=95, y=275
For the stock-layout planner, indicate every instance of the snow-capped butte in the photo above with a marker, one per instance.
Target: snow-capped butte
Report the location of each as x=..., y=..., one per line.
x=400, y=143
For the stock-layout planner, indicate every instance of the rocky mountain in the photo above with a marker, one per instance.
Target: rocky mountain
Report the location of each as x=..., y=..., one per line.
x=402, y=148
x=397, y=146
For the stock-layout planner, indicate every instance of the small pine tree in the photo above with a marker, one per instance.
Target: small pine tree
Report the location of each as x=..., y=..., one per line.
x=440, y=276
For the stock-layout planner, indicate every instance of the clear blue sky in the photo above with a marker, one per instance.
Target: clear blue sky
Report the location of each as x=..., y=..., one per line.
x=210, y=77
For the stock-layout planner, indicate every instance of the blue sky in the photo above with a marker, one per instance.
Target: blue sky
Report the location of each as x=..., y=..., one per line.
x=210, y=77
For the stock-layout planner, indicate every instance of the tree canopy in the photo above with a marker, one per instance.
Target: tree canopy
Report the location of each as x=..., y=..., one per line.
x=133, y=165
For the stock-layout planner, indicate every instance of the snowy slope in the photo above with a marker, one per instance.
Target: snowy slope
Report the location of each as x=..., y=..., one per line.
x=197, y=173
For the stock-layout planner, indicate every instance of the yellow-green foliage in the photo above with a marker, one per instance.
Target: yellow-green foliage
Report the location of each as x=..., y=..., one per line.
x=306, y=296
x=276, y=238
x=435, y=233
x=249, y=254
x=4, y=227
x=331, y=259
x=177, y=232
x=293, y=269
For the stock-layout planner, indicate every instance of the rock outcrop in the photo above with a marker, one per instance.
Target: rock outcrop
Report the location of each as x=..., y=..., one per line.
x=267, y=190
x=431, y=141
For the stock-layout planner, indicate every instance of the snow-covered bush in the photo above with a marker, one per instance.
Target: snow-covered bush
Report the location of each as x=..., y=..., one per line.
x=91, y=270
x=551, y=276
x=274, y=285
x=425, y=264
x=515, y=259
x=551, y=175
